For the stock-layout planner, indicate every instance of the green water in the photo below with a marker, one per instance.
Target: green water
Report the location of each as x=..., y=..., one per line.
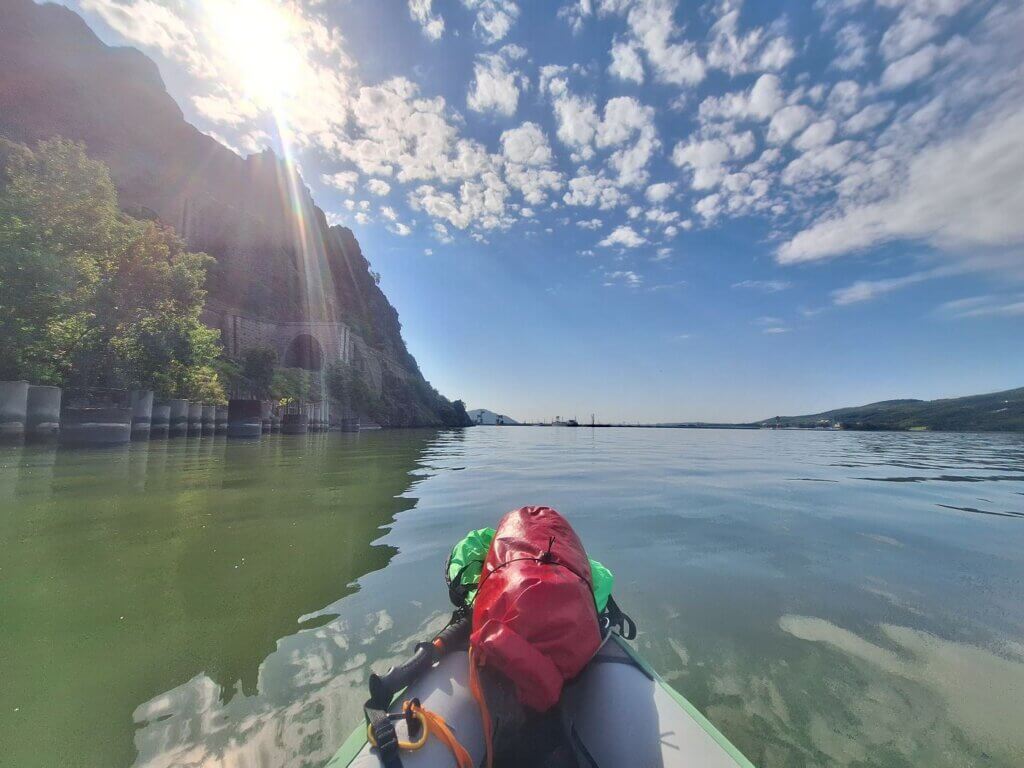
x=825, y=598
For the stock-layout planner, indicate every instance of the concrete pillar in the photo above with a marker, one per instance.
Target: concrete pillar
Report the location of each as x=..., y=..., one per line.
x=220, y=420
x=13, y=410
x=160, y=423
x=275, y=422
x=266, y=408
x=142, y=413
x=209, y=420
x=295, y=423
x=96, y=425
x=327, y=414
x=244, y=418
x=178, y=423
x=42, y=415
x=195, y=419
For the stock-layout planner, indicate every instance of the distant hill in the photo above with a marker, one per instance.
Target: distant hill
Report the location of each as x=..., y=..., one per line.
x=483, y=416
x=994, y=412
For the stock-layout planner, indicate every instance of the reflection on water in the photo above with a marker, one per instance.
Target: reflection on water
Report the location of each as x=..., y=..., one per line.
x=826, y=598
x=127, y=573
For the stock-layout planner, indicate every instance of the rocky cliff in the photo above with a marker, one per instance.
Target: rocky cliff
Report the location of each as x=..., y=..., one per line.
x=58, y=78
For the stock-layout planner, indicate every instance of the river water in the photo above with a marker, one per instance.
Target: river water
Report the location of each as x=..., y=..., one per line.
x=826, y=598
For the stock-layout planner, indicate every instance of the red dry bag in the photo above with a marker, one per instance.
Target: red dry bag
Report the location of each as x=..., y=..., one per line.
x=534, y=618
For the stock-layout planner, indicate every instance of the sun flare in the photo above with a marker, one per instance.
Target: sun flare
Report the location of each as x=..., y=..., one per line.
x=255, y=41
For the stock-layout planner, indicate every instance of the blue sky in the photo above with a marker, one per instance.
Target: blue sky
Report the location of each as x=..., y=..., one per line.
x=646, y=209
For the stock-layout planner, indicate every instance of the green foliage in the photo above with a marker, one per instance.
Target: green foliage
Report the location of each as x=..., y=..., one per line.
x=347, y=387
x=257, y=370
x=90, y=297
x=296, y=385
x=998, y=411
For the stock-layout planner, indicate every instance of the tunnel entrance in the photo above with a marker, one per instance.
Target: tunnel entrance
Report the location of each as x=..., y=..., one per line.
x=305, y=352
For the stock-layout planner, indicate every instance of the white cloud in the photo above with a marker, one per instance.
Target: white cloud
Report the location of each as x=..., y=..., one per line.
x=709, y=207
x=961, y=194
x=626, y=63
x=767, y=286
x=818, y=163
x=771, y=325
x=626, y=277
x=589, y=189
x=526, y=145
x=867, y=290
x=852, y=44
x=428, y=251
x=441, y=233
x=154, y=25
x=362, y=218
x=226, y=110
x=660, y=192
x=494, y=18
x=389, y=213
x=910, y=69
x=759, y=103
x=653, y=29
x=378, y=187
x=624, y=117
x=494, y=87
x=789, y=121
x=776, y=55
x=844, y=97
x=707, y=159
x=816, y=135
x=661, y=216
x=906, y=35
x=993, y=305
x=590, y=224
x=577, y=120
x=422, y=13
x=343, y=180
x=738, y=53
x=575, y=12
x=870, y=117
x=400, y=229
x=528, y=158
x=624, y=236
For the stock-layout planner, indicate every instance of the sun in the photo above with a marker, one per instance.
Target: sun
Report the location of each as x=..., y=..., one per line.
x=257, y=43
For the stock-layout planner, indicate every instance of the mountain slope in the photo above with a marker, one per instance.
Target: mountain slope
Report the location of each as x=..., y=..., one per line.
x=276, y=256
x=997, y=411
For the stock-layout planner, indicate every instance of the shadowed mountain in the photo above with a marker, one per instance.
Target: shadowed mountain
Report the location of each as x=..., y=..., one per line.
x=276, y=256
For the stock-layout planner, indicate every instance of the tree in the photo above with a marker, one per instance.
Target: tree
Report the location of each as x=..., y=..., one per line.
x=90, y=297
x=58, y=220
x=258, y=365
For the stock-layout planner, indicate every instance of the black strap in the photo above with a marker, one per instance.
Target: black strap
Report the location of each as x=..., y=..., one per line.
x=619, y=620
x=384, y=733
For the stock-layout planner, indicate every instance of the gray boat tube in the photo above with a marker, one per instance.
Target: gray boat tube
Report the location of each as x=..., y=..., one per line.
x=617, y=713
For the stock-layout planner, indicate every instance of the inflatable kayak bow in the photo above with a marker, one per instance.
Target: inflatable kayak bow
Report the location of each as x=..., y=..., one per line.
x=532, y=608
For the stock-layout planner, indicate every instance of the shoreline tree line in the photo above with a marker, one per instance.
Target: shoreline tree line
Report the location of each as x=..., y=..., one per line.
x=94, y=298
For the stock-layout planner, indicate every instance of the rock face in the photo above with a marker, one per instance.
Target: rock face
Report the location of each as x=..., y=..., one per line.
x=58, y=79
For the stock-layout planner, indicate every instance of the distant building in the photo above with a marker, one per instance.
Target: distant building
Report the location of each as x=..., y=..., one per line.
x=483, y=417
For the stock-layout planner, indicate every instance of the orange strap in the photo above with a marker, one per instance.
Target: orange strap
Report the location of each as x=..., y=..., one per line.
x=481, y=702
x=435, y=724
